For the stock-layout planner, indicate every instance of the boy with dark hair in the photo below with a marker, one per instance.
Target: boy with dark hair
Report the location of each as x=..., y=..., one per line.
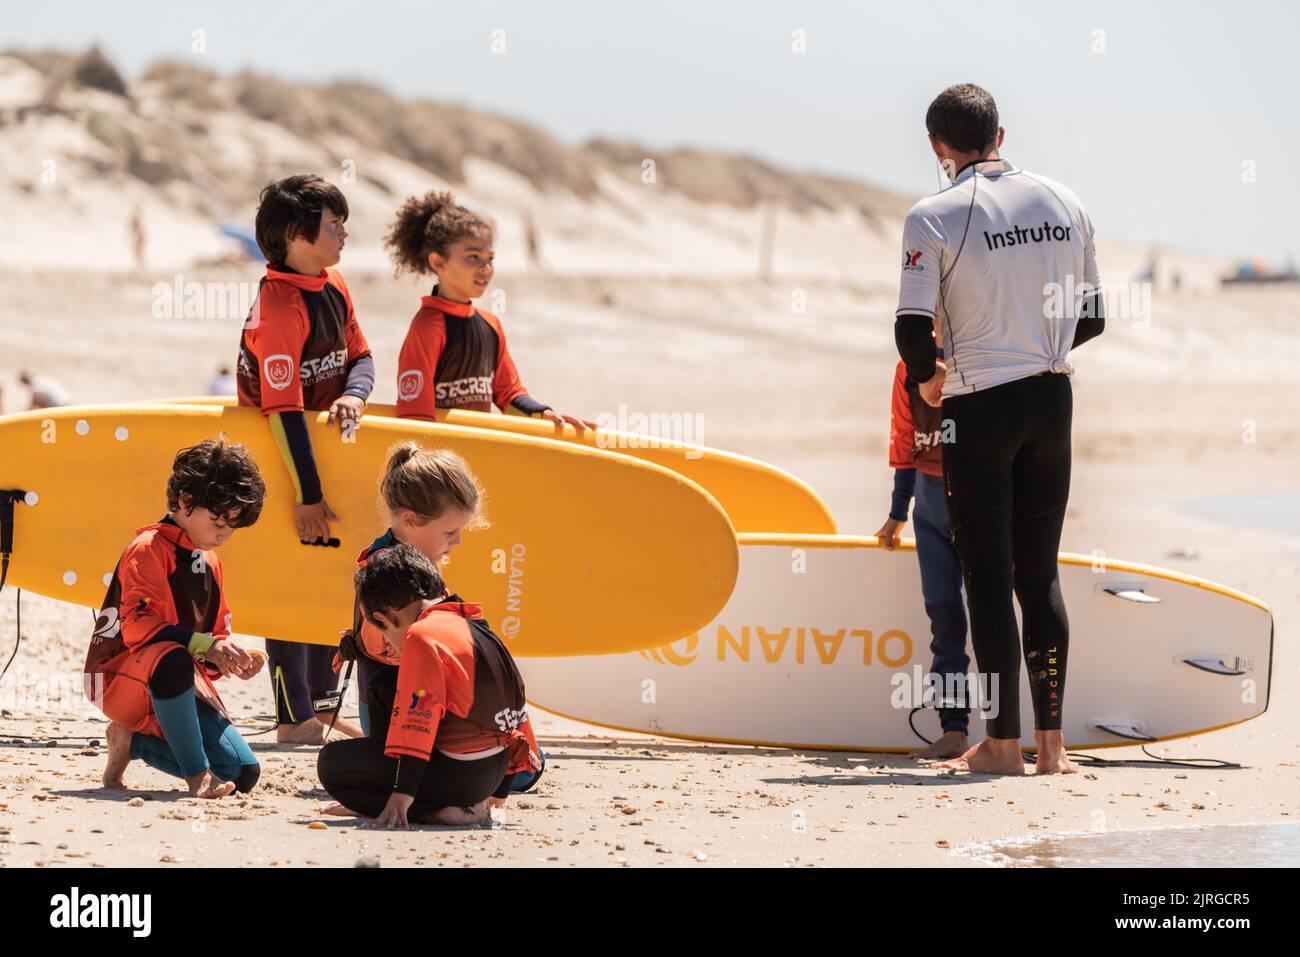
x=446, y=727
x=163, y=633
x=302, y=350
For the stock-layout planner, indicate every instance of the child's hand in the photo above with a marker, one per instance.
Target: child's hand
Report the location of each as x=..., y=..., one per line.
x=229, y=657
x=561, y=419
x=889, y=533
x=257, y=659
x=347, y=410
x=394, y=812
x=313, y=522
x=932, y=391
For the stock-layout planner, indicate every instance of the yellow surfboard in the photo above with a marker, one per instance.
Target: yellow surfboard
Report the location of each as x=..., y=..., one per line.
x=756, y=496
x=588, y=552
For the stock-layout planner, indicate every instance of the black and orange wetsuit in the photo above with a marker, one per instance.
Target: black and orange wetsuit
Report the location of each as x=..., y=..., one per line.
x=380, y=661
x=301, y=350
x=447, y=726
x=163, y=592
x=455, y=357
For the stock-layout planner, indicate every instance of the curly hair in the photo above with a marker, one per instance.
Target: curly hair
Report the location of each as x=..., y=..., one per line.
x=965, y=117
x=427, y=224
x=222, y=478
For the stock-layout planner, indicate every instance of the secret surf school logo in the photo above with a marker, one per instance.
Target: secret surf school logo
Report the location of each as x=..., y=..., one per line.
x=912, y=261
x=410, y=384
x=278, y=371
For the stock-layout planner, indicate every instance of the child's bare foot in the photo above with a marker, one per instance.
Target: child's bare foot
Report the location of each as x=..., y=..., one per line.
x=990, y=756
x=951, y=744
x=310, y=731
x=205, y=785
x=118, y=738
x=339, y=810
x=342, y=727
x=478, y=814
x=1052, y=758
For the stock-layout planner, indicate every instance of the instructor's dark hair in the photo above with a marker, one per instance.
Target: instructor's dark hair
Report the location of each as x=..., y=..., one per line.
x=427, y=224
x=290, y=208
x=965, y=117
x=394, y=577
x=222, y=478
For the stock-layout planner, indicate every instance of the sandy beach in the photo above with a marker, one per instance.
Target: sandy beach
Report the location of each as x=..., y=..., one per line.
x=1174, y=436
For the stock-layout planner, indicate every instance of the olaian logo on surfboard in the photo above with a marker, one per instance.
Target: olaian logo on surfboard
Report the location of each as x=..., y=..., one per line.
x=512, y=566
x=792, y=645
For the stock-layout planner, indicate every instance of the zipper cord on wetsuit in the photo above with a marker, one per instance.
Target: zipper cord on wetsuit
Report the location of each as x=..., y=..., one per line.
x=1205, y=764
x=950, y=347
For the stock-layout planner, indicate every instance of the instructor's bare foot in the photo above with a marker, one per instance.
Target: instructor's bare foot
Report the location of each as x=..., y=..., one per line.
x=478, y=814
x=1052, y=758
x=990, y=756
x=951, y=744
x=118, y=738
x=339, y=810
x=205, y=785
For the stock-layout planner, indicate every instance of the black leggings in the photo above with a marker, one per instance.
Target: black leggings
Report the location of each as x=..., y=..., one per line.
x=1007, y=475
x=358, y=774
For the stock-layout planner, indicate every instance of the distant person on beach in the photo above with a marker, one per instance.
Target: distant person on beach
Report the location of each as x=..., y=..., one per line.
x=1005, y=260
x=455, y=355
x=223, y=383
x=136, y=236
x=302, y=350
x=44, y=392
x=916, y=455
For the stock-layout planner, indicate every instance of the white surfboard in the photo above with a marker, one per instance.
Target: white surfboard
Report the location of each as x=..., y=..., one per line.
x=824, y=644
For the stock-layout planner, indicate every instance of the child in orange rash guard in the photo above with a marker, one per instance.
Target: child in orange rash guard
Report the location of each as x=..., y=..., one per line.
x=446, y=730
x=455, y=356
x=163, y=633
x=431, y=496
x=302, y=350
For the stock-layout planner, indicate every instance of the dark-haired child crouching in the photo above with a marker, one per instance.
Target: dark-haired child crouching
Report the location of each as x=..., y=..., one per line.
x=163, y=634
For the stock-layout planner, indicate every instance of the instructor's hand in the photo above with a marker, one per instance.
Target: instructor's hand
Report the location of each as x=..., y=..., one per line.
x=313, y=521
x=889, y=533
x=932, y=390
x=394, y=812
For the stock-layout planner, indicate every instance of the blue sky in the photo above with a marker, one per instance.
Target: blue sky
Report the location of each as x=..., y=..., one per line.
x=1152, y=133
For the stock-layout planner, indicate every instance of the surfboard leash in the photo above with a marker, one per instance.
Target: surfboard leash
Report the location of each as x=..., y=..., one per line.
x=1089, y=760
x=8, y=498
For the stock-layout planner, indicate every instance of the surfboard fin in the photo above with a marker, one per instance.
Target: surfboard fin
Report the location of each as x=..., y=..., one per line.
x=1216, y=664
x=1128, y=730
x=1130, y=592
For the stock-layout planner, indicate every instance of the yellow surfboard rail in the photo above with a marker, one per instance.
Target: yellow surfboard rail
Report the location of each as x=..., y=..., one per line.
x=757, y=497
x=583, y=547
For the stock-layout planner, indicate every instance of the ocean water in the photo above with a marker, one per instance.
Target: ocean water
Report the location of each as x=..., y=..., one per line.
x=1233, y=845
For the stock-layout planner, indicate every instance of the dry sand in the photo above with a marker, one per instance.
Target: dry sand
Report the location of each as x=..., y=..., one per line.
x=1159, y=413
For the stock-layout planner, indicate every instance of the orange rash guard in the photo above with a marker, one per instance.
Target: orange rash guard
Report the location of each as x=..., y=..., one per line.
x=163, y=591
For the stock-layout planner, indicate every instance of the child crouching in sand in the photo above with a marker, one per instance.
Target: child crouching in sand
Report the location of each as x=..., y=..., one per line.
x=163, y=633
x=445, y=727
